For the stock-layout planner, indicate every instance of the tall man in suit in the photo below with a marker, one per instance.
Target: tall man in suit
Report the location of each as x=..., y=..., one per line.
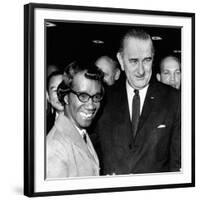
x=139, y=129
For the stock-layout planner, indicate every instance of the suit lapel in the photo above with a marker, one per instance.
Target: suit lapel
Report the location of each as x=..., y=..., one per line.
x=152, y=105
x=121, y=116
x=121, y=103
x=68, y=130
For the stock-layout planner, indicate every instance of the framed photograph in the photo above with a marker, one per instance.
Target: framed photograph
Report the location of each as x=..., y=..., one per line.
x=55, y=36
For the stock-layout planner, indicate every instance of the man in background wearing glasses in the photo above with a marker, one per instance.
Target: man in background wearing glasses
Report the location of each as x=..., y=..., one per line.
x=70, y=152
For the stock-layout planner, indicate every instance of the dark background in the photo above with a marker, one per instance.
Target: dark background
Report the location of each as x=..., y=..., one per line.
x=66, y=41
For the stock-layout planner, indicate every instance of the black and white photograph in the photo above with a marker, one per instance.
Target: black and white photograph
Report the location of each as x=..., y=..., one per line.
x=115, y=129
x=109, y=100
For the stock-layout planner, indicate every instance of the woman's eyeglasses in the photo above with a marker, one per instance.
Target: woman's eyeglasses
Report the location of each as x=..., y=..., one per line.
x=84, y=97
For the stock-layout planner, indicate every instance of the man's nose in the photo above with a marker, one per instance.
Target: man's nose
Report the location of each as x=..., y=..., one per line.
x=172, y=78
x=140, y=68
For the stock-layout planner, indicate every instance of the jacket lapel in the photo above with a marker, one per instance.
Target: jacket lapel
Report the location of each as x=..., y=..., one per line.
x=121, y=117
x=68, y=130
x=150, y=107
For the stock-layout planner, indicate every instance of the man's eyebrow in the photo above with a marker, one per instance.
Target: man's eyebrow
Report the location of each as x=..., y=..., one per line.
x=132, y=59
x=165, y=70
x=149, y=57
x=52, y=87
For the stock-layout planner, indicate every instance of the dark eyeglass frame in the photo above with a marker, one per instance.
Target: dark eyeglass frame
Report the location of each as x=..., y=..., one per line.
x=85, y=100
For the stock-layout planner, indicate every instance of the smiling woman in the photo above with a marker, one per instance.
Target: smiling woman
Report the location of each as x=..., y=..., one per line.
x=68, y=155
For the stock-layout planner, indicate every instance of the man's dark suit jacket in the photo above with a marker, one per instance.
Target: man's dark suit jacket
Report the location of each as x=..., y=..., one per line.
x=157, y=145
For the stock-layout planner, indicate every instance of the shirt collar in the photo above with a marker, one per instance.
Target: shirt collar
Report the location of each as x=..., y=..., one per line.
x=82, y=131
x=130, y=94
x=142, y=91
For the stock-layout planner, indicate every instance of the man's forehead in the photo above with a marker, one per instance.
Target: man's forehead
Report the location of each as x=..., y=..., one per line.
x=170, y=63
x=133, y=40
x=56, y=77
x=55, y=80
x=170, y=60
x=105, y=63
x=138, y=45
x=107, y=68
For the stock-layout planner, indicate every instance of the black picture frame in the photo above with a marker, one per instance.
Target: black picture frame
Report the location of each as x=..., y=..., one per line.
x=30, y=94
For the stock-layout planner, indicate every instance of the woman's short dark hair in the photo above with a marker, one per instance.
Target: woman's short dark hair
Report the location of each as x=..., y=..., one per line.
x=90, y=70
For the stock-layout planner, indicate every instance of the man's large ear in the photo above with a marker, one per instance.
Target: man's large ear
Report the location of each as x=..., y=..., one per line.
x=47, y=96
x=66, y=99
x=158, y=77
x=119, y=57
x=117, y=74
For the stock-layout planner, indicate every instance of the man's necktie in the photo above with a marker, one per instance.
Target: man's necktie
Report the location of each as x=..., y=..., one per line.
x=135, y=112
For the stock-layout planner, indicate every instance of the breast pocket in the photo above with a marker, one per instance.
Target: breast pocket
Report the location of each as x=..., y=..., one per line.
x=161, y=141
